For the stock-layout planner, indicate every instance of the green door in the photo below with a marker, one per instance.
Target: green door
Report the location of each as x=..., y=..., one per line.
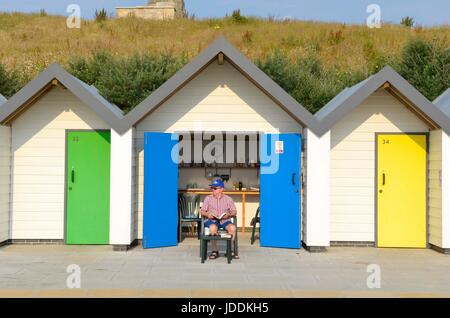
x=87, y=187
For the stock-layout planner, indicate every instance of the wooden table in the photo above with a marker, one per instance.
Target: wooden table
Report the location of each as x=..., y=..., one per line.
x=243, y=193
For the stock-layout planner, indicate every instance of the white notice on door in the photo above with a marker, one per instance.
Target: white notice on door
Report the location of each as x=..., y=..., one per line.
x=279, y=146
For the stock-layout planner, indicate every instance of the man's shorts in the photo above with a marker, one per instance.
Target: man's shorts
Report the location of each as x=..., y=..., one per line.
x=223, y=226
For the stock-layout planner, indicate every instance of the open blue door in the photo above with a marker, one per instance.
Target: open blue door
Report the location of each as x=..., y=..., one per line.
x=160, y=190
x=280, y=156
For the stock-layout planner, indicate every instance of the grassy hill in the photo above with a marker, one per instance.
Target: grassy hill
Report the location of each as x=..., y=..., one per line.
x=34, y=41
x=29, y=42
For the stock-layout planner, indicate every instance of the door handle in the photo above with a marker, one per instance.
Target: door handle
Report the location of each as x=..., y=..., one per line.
x=293, y=178
x=73, y=175
x=384, y=179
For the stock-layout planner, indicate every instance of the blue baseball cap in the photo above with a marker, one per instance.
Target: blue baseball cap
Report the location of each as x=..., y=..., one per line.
x=217, y=184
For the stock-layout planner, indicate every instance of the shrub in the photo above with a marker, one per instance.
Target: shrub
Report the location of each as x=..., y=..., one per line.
x=426, y=65
x=306, y=80
x=377, y=60
x=407, y=22
x=91, y=70
x=126, y=81
x=101, y=15
x=10, y=82
x=42, y=13
x=236, y=17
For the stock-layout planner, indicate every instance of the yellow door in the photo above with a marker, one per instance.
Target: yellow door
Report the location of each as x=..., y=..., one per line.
x=401, y=190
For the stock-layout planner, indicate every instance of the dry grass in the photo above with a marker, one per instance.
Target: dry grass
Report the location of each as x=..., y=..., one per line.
x=31, y=42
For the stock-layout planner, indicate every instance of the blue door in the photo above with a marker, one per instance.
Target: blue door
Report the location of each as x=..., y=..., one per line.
x=280, y=156
x=160, y=190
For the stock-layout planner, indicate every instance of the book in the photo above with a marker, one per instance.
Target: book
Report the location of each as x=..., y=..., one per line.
x=220, y=217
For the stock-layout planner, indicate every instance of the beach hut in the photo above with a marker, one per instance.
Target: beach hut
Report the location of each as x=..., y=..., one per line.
x=58, y=140
x=4, y=177
x=443, y=237
x=388, y=155
x=218, y=93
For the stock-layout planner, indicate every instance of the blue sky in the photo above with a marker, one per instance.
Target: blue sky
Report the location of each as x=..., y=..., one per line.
x=425, y=12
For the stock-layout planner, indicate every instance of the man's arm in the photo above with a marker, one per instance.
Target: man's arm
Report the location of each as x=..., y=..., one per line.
x=232, y=208
x=204, y=211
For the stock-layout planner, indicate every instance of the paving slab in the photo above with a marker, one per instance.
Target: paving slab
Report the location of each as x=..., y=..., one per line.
x=41, y=271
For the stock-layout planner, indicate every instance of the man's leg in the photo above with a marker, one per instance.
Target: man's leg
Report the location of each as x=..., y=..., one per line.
x=231, y=229
x=213, y=231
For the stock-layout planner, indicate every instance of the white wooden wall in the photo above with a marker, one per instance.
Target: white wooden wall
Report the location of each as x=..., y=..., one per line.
x=445, y=179
x=303, y=182
x=134, y=193
x=353, y=163
x=435, y=188
x=316, y=215
x=121, y=197
x=219, y=98
x=5, y=166
x=38, y=152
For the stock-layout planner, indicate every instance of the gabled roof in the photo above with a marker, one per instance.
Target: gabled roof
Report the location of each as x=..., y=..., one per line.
x=110, y=113
x=258, y=77
x=2, y=99
x=443, y=102
x=352, y=97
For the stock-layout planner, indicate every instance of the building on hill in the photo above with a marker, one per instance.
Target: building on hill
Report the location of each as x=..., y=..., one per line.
x=155, y=10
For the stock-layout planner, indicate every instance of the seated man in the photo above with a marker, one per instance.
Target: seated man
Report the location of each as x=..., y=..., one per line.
x=215, y=205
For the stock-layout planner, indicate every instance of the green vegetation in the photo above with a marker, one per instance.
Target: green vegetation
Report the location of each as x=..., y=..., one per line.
x=407, y=22
x=127, y=59
x=236, y=17
x=10, y=82
x=307, y=80
x=101, y=15
x=426, y=65
x=125, y=81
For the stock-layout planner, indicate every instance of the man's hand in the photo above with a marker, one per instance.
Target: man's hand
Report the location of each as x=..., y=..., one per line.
x=210, y=216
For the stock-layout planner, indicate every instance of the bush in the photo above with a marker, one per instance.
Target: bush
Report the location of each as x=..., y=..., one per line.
x=42, y=13
x=376, y=60
x=236, y=17
x=10, y=82
x=407, y=22
x=426, y=65
x=306, y=80
x=126, y=81
x=101, y=15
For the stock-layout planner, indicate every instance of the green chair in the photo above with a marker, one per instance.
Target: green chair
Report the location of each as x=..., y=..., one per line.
x=188, y=212
x=205, y=238
x=253, y=223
